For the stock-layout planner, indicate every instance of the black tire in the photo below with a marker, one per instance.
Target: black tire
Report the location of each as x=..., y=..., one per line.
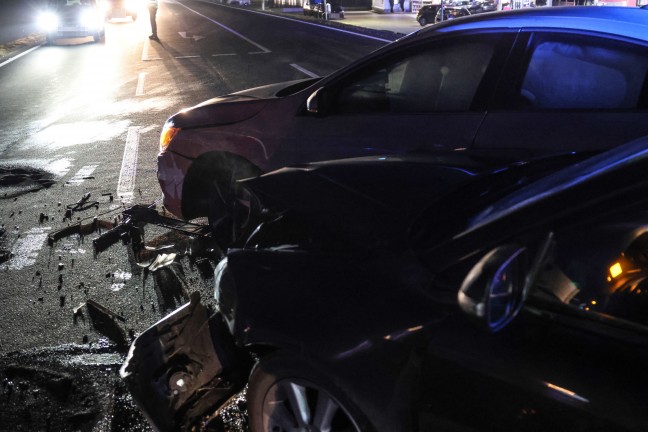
x=279, y=384
x=99, y=37
x=231, y=208
x=423, y=21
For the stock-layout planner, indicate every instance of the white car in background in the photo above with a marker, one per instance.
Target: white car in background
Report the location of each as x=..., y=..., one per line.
x=65, y=19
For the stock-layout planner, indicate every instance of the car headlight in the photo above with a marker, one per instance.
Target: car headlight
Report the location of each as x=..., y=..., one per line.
x=168, y=133
x=48, y=21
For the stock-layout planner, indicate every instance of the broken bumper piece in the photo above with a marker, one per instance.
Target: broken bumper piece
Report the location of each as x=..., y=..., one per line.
x=184, y=367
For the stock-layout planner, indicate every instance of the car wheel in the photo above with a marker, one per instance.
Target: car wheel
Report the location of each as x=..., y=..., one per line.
x=98, y=37
x=230, y=208
x=284, y=396
x=423, y=21
x=134, y=17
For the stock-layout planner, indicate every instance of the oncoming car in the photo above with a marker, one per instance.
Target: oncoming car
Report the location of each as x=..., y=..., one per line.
x=532, y=81
x=516, y=300
x=73, y=19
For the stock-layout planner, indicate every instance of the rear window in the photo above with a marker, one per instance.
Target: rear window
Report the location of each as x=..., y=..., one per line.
x=584, y=73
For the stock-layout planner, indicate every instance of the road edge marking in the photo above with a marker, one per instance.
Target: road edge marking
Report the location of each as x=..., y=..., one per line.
x=6, y=62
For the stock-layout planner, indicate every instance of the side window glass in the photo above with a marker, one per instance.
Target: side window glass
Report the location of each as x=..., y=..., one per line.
x=584, y=73
x=601, y=272
x=442, y=78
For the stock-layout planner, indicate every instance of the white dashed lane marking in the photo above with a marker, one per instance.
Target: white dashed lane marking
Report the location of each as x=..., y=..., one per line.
x=26, y=248
x=82, y=175
x=126, y=183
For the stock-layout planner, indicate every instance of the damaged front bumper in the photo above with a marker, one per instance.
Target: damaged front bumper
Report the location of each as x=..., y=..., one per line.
x=184, y=367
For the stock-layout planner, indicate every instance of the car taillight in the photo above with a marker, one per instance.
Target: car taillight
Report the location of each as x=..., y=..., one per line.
x=168, y=133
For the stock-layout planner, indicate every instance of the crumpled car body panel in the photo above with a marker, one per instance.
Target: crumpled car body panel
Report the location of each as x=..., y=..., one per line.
x=183, y=366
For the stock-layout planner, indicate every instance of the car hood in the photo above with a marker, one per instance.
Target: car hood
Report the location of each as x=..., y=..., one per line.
x=236, y=107
x=377, y=198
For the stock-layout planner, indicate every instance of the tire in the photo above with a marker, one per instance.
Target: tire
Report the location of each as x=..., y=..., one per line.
x=280, y=388
x=99, y=37
x=423, y=21
x=134, y=17
x=231, y=209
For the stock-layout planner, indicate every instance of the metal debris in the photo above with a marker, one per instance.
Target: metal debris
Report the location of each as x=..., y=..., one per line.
x=131, y=227
x=105, y=322
x=162, y=260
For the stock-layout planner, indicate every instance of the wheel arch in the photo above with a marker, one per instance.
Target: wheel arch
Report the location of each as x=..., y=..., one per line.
x=196, y=190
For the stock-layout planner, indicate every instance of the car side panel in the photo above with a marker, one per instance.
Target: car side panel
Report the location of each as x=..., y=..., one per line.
x=553, y=132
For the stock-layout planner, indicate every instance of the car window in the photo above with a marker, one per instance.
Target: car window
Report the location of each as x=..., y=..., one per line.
x=601, y=270
x=445, y=77
x=570, y=72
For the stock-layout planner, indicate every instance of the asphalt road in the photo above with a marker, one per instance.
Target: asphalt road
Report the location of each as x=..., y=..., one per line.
x=79, y=127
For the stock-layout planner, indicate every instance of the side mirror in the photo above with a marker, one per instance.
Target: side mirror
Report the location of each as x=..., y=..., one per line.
x=495, y=288
x=316, y=102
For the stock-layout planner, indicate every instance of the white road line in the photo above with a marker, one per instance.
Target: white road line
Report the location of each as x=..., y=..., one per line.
x=305, y=23
x=187, y=57
x=145, y=52
x=223, y=55
x=262, y=48
x=305, y=71
x=25, y=249
x=82, y=174
x=139, y=91
x=126, y=183
x=6, y=62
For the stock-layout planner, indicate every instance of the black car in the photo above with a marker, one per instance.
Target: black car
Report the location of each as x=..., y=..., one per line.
x=515, y=301
x=460, y=9
x=315, y=8
x=427, y=14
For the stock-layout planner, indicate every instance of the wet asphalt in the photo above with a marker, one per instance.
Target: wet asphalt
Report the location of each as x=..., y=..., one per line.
x=19, y=30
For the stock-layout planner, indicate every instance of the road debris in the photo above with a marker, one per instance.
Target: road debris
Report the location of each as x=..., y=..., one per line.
x=105, y=322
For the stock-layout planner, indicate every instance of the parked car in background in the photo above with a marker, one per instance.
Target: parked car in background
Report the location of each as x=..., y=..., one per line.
x=316, y=8
x=122, y=8
x=63, y=19
x=427, y=13
x=452, y=12
x=517, y=295
x=462, y=8
x=530, y=82
x=239, y=2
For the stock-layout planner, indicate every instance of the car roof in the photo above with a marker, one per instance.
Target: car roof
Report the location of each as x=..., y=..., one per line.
x=621, y=21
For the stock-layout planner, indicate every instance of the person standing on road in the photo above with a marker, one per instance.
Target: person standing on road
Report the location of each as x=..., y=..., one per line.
x=391, y=6
x=152, y=8
x=401, y=3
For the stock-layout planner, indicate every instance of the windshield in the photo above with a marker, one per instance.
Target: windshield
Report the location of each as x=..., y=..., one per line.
x=580, y=173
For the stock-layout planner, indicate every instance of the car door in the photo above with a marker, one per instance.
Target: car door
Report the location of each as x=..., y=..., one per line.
x=574, y=359
x=567, y=91
x=426, y=95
